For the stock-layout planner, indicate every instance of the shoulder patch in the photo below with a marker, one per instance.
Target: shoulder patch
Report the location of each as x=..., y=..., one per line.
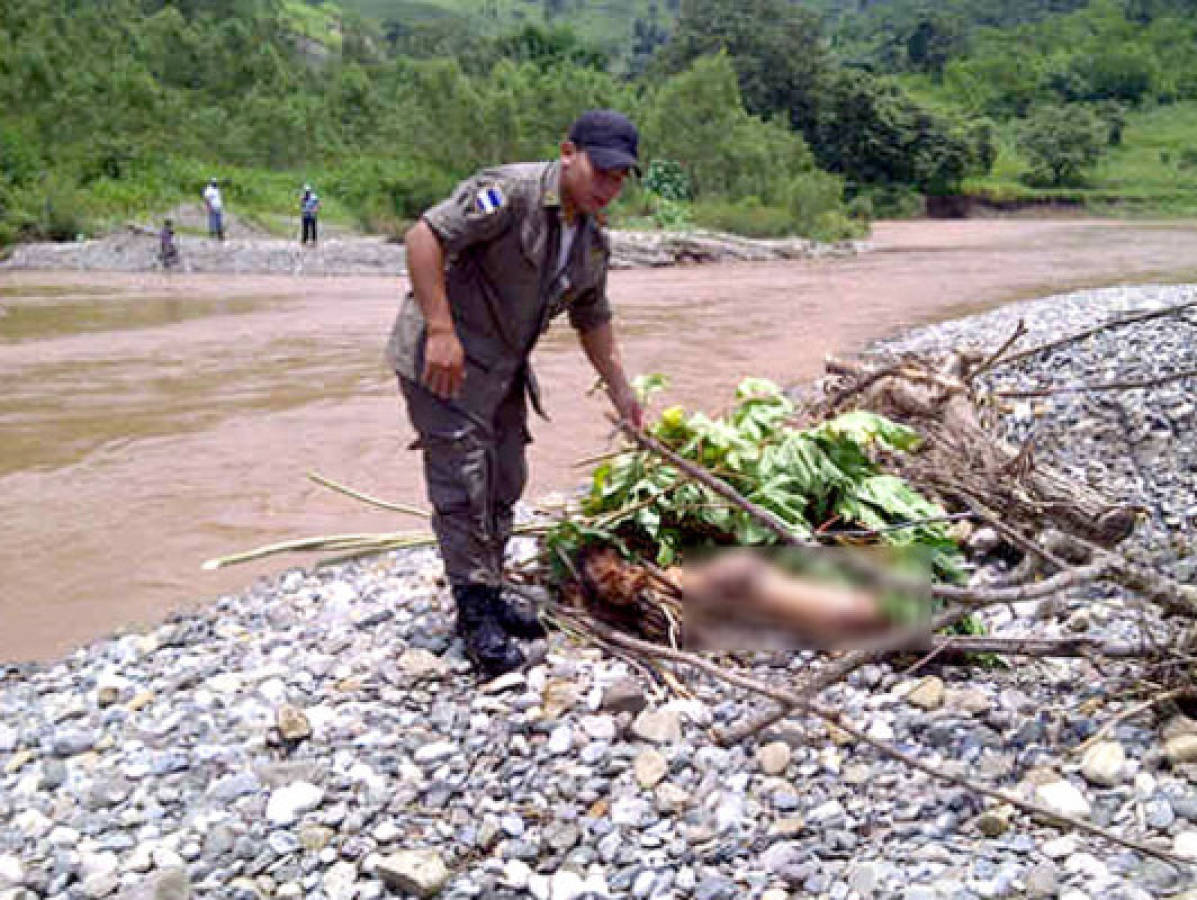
x=489, y=199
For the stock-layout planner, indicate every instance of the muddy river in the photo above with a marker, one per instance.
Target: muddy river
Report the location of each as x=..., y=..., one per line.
x=148, y=423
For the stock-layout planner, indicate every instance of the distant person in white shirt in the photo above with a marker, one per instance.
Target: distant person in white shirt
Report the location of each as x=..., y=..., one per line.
x=309, y=206
x=215, y=207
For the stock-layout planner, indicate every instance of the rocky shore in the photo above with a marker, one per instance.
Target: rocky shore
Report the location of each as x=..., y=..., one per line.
x=135, y=249
x=320, y=736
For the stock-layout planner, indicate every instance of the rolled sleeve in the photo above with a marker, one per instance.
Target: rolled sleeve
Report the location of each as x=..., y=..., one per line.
x=591, y=309
x=478, y=210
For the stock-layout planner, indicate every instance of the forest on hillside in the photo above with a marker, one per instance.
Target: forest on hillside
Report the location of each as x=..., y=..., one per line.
x=764, y=117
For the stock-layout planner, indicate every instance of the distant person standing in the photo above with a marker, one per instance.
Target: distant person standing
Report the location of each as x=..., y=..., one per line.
x=215, y=207
x=168, y=251
x=309, y=205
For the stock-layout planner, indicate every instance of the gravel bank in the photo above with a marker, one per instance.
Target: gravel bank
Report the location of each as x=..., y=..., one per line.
x=136, y=249
x=319, y=735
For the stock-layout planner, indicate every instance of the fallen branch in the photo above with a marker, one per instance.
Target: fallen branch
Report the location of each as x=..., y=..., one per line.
x=835, y=718
x=1126, y=385
x=1130, y=713
x=850, y=662
x=1104, y=326
x=373, y=501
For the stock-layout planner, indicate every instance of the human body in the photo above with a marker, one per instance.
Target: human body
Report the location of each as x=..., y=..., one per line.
x=490, y=266
x=168, y=250
x=214, y=203
x=309, y=206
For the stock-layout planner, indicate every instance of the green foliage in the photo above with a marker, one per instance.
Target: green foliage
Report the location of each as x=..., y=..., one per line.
x=775, y=46
x=873, y=133
x=667, y=179
x=822, y=478
x=1062, y=143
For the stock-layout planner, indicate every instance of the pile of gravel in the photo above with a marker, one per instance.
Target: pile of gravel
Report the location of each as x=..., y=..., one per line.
x=320, y=736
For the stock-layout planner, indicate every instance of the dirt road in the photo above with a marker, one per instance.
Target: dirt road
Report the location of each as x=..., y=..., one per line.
x=153, y=422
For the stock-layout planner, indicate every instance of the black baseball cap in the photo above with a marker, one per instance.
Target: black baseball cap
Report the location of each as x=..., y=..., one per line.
x=609, y=139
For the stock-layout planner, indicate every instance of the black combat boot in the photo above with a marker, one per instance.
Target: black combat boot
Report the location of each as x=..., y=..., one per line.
x=519, y=618
x=487, y=644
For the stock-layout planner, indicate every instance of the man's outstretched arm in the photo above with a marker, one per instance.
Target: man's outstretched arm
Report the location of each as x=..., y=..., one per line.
x=603, y=353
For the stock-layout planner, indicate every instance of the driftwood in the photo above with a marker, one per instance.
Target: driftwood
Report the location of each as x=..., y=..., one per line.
x=960, y=440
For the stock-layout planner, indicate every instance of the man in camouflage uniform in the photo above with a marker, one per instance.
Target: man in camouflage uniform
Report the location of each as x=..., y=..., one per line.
x=490, y=266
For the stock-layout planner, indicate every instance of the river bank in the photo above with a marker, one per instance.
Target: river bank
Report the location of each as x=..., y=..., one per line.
x=319, y=735
x=154, y=421
x=136, y=250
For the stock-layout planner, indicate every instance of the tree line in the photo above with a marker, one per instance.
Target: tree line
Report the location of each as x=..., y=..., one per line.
x=768, y=116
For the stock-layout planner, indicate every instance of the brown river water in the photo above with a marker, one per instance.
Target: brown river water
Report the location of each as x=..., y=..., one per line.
x=151, y=422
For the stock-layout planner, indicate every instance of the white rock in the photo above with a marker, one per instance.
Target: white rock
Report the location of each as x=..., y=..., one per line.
x=386, y=832
x=274, y=690
x=288, y=803
x=561, y=740
x=880, y=730
x=1181, y=748
x=773, y=758
x=516, y=873
x=224, y=683
x=340, y=881
x=1185, y=844
x=566, y=885
x=63, y=836
x=1062, y=798
x=1103, y=763
x=658, y=726
x=1058, y=848
x=670, y=798
x=140, y=860
x=12, y=872
x=538, y=886
x=599, y=728
x=96, y=886
x=435, y=752
x=97, y=864
x=165, y=858
x=419, y=663
x=927, y=693
x=1145, y=786
x=510, y=681
x=1088, y=866
x=629, y=811
x=32, y=823
x=419, y=872
x=650, y=767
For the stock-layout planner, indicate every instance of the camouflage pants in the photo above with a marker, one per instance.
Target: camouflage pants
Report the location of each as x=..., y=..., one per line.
x=475, y=470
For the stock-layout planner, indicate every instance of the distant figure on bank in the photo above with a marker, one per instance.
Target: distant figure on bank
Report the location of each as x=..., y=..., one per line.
x=168, y=251
x=309, y=205
x=215, y=206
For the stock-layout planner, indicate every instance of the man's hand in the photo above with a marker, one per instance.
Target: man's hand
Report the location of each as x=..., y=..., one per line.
x=627, y=405
x=444, y=363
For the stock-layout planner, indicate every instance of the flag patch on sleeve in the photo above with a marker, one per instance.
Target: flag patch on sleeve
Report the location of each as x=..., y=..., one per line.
x=488, y=199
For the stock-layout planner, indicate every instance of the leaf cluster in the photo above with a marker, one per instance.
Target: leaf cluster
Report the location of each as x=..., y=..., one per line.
x=822, y=480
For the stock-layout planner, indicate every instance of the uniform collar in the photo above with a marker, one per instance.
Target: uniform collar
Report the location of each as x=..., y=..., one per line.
x=550, y=184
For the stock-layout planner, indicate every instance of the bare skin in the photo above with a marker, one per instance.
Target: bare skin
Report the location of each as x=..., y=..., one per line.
x=738, y=589
x=585, y=189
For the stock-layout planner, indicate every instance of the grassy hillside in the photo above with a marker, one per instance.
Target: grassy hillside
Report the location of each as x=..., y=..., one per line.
x=1154, y=171
x=609, y=24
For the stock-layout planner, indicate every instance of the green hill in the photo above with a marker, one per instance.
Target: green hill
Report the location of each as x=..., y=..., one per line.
x=611, y=25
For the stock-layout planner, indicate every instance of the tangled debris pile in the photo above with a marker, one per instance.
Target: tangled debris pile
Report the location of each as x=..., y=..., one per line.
x=904, y=453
